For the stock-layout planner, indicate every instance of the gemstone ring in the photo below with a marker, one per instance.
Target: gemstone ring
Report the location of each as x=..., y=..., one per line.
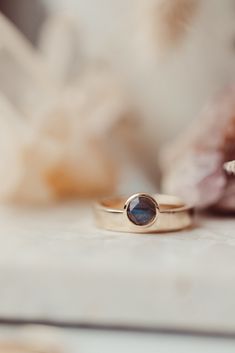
x=143, y=213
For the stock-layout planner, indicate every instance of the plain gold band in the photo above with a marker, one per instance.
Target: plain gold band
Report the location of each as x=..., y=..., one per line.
x=173, y=215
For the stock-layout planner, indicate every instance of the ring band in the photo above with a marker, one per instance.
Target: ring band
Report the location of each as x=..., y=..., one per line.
x=229, y=167
x=143, y=213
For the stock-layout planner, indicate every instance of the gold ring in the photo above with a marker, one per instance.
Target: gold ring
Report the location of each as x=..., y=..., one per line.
x=229, y=167
x=143, y=213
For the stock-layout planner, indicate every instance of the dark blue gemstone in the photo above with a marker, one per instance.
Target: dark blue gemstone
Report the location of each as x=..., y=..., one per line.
x=141, y=210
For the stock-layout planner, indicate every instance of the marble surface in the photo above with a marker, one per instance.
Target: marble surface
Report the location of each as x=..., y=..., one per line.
x=56, y=265
x=57, y=340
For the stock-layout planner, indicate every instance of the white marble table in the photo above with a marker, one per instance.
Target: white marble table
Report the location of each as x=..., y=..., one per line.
x=56, y=266
x=57, y=340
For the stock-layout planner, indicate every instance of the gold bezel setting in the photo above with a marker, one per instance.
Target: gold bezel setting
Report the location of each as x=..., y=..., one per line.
x=151, y=211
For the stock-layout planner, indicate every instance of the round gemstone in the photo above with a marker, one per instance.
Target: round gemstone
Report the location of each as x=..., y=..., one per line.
x=141, y=210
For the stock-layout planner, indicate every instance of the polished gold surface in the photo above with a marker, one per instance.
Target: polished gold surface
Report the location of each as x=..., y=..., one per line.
x=172, y=215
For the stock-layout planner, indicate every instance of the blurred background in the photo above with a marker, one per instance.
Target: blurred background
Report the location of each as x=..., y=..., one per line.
x=110, y=88
x=114, y=86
